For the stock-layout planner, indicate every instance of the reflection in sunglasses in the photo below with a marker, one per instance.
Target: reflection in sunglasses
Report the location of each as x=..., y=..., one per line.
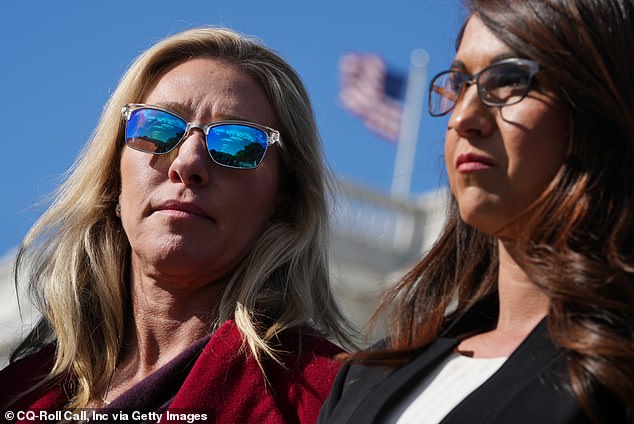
x=235, y=144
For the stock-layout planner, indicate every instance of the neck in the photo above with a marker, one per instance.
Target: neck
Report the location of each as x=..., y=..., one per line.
x=522, y=303
x=522, y=306
x=166, y=319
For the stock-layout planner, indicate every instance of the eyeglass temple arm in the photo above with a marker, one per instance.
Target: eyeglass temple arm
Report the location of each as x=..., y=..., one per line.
x=444, y=92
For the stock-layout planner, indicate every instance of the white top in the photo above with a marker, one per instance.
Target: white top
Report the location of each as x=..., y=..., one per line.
x=444, y=388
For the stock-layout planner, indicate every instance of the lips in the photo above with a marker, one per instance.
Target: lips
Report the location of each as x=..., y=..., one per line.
x=471, y=162
x=180, y=209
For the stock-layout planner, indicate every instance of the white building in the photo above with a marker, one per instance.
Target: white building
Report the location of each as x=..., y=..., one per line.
x=375, y=240
x=15, y=319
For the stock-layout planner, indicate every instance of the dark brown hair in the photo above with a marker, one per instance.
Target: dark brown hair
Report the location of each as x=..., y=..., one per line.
x=581, y=246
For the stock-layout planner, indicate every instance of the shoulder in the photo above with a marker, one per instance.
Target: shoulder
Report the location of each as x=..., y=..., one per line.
x=353, y=384
x=303, y=381
x=29, y=368
x=306, y=362
x=228, y=380
x=315, y=348
x=311, y=359
x=24, y=374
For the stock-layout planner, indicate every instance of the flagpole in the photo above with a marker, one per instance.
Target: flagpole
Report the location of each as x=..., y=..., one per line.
x=410, y=124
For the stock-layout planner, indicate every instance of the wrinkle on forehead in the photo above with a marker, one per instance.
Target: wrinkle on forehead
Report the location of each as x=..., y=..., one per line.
x=205, y=90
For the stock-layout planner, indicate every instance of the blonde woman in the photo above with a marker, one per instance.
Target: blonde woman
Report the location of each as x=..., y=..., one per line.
x=183, y=262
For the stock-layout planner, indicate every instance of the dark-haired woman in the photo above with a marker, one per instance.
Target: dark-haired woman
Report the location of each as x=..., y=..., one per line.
x=523, y=311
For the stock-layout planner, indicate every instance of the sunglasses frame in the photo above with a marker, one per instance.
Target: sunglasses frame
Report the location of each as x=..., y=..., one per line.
x=272, y=135
x=533, y=69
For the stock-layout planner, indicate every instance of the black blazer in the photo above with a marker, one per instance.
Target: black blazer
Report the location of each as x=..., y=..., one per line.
x=530, y=387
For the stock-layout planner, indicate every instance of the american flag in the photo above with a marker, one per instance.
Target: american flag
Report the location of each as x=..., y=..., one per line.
x=372, y=92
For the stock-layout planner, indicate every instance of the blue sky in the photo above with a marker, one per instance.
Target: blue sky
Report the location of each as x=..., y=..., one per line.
x=60, y=61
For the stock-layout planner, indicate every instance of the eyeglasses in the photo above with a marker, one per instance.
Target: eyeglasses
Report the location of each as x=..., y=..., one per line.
x=503, y=83
x=234, y=144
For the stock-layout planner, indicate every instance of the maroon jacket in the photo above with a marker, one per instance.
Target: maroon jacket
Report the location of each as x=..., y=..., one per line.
x=223, y=382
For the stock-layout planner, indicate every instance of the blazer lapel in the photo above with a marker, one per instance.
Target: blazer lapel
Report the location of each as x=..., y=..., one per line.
x=533, y=359
x=397, y=383
x=392, y=387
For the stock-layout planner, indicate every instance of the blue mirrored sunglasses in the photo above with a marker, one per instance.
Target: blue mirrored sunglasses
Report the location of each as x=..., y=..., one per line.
x=234, y=144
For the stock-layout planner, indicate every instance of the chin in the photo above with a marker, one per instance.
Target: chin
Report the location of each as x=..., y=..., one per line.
x=482, y=220
x=507, y=226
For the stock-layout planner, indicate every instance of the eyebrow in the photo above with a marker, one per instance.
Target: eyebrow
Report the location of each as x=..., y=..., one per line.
x=458, y=64
x=186, y=112
x=179, y=108
x=230, y=117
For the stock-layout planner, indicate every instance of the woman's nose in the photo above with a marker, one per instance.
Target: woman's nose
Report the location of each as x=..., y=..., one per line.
x=192, y=162
x=470, y=116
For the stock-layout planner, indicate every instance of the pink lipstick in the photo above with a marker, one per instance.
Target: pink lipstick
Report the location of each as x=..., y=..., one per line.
x=471, y=162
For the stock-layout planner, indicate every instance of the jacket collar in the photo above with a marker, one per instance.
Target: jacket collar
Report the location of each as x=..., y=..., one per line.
x=535, y=353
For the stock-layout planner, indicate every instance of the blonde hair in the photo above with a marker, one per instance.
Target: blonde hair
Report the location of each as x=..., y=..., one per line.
x=76, y=255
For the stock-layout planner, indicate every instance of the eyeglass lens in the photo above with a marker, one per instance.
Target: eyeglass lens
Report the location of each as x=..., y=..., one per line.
x=498, y=85
x=229, y=144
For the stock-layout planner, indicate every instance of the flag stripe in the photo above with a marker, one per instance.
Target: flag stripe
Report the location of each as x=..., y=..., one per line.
x=364, y=93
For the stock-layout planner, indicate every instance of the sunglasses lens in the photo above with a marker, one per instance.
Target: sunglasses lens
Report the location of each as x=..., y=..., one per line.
x=505, y=84
x=153, y=131
x=237, y=145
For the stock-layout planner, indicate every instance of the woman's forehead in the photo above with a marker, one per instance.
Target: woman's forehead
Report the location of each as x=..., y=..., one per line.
x=479, y=47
